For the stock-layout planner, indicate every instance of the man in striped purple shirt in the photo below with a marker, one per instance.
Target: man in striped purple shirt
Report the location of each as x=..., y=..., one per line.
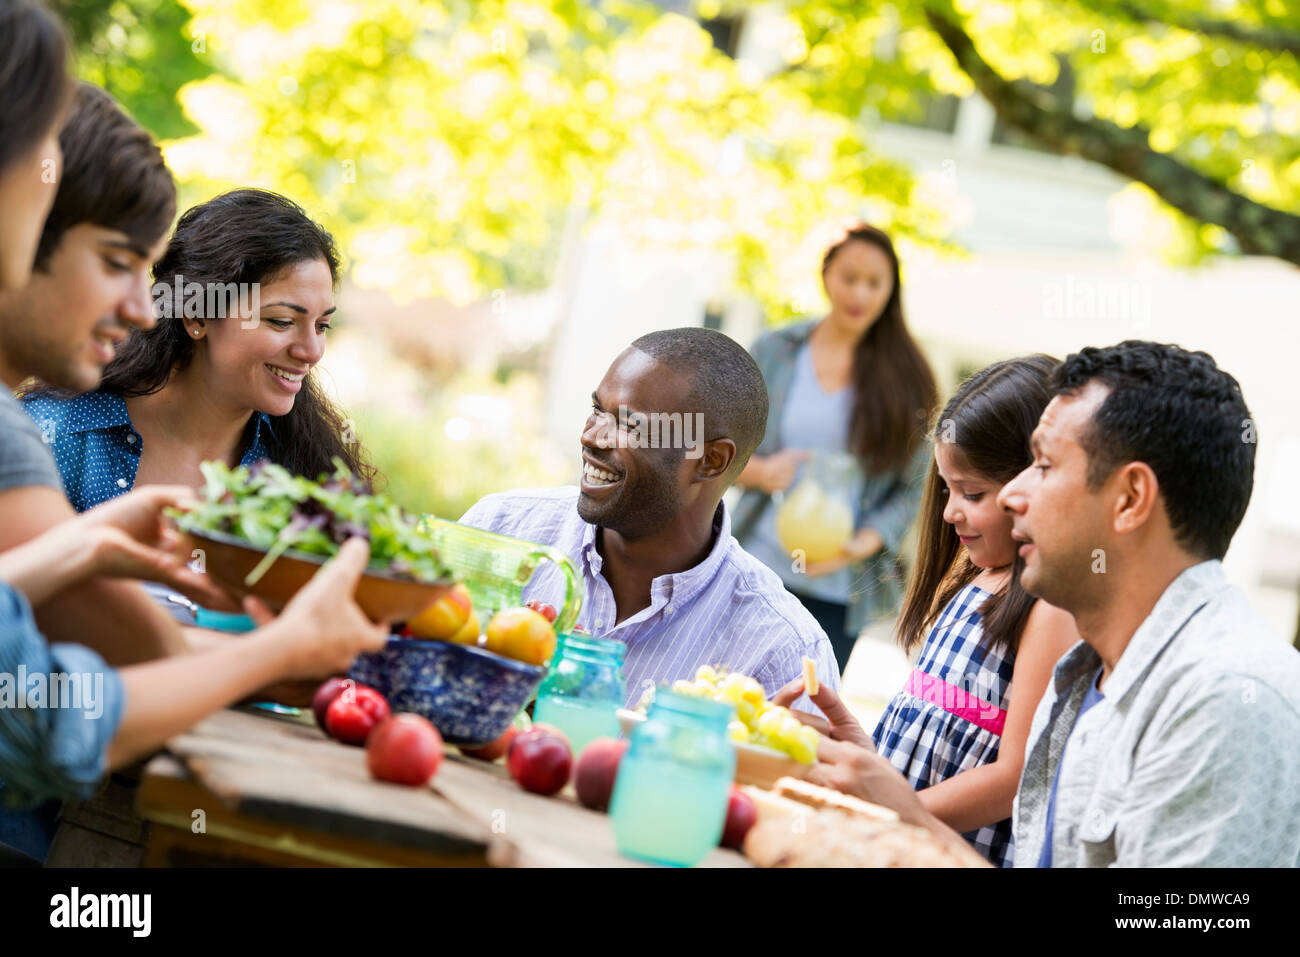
x=673, y=422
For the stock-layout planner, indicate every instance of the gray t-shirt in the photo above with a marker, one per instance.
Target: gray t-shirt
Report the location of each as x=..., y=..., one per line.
x=25, y=459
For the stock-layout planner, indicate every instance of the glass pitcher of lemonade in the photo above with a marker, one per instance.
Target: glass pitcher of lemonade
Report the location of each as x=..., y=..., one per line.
x=816, y=517
x=495, y=568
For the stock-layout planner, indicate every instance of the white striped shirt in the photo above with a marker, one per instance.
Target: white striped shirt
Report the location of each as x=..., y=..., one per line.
x=730, y=610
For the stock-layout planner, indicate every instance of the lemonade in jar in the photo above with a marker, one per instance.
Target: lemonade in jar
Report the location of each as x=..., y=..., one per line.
x=816, y=518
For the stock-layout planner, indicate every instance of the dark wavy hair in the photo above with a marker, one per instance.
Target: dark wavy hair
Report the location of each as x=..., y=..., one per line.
x=1182, y=415
x=989, y=420
x=113, y=176
x=894, y=393
x=244, y=236
x=35, y=86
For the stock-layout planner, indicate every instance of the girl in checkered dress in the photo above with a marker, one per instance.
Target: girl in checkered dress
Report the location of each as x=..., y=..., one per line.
x=957, y=730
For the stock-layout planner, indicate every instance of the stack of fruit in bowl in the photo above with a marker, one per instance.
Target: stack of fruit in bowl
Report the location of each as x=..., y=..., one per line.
x=469, y=684
x=525, y=633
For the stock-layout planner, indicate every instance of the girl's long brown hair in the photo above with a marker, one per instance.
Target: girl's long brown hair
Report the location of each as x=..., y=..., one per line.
x=989, y=420
x=894, y=393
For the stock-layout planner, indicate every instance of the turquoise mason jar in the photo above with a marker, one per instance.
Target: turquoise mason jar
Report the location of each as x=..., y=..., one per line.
x=584, y=689
x=670, y=796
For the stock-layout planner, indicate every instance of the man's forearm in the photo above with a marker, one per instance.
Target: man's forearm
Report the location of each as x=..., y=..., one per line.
x=205, y=639
x=164, y=698
x=115, y=617
x=46, y=565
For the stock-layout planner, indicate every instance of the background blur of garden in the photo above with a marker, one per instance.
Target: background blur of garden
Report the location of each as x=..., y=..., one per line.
x=520, y=187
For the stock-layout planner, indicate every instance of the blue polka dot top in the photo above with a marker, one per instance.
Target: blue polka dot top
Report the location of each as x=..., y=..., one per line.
x=97, y=449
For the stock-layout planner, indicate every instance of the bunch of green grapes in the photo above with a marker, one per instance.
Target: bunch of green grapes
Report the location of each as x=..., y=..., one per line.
x=757, y=720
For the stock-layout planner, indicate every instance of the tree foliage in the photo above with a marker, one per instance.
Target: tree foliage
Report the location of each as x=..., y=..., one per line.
x=447, y=142
x=1199, y=102
x=140, y=53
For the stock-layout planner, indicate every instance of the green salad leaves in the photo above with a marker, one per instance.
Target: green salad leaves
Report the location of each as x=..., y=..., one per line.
x=274, y=510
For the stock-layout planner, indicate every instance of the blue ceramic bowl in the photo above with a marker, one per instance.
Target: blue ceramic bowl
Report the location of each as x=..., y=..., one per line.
x=471, y=695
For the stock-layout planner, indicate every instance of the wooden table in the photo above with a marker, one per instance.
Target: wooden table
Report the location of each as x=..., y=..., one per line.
x=249, y=788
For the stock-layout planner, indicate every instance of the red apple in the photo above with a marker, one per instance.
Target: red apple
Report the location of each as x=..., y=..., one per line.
x=549, y=729
x=326, y=693
x=404, y=749
x=354, y=712
x=742, y=812
x=546, y=611
x=490, y=752
x=539, y=760
x=593, y=778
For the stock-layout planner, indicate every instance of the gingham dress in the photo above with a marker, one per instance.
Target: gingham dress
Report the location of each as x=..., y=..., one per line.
x=929, y=744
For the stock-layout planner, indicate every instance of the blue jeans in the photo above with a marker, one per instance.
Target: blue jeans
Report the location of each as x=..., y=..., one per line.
x=25, y=836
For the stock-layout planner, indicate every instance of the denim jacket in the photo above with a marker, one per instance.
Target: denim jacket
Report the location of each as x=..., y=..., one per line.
x=888, y=503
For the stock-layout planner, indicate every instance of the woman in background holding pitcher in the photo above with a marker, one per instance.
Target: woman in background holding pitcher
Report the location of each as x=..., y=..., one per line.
x=837, y=481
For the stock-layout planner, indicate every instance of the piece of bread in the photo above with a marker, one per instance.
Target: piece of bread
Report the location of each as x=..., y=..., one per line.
x=834, y=838
x=819, y=797
x=810, y=685
x=772, y=806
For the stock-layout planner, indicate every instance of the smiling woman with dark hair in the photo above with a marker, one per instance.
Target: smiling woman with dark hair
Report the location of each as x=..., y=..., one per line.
x=852, y=390
x=227, y=372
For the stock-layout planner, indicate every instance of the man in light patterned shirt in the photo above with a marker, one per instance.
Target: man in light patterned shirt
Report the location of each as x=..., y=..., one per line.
x=673, y=422
x=1167, y=737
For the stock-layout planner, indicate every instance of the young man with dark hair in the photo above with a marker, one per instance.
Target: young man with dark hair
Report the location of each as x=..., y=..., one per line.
x=113, y=207
x=91, y=286
x=672, y=424
x=1167, y=737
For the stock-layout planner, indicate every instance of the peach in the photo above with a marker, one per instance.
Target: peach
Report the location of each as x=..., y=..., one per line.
x=742, y=813
x=593, y=778
x=445, y=617
x=539, y=760
x=469, y=632
x=522, y=634
x=404, y=749
x=490, y=752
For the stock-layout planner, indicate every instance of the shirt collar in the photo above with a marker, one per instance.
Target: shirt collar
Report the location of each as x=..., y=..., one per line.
x=682, y=586
x=264, y=429
x=93, y=411
x=1186, y=595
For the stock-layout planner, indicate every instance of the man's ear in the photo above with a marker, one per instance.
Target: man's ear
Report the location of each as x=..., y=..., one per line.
x=1137, y=493
x=715, y=460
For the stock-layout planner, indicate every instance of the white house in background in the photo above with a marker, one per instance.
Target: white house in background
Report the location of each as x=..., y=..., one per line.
x=1057, y=264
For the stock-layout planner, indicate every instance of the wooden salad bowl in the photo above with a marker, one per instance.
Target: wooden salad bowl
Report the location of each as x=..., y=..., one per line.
x=229, y=559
